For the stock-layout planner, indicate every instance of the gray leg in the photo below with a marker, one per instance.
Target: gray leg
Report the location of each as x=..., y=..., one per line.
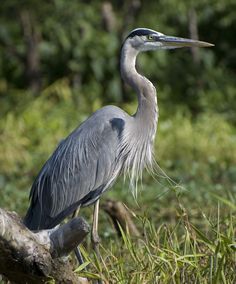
x=77, y=250
x=76, y=212
x=79, y=256
x=94, y=237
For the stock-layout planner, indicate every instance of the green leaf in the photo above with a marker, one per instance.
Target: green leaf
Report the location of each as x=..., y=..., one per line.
x=82, y=266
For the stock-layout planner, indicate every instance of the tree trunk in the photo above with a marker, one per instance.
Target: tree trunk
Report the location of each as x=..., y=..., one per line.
x=130, y=10
x=193, y=32
x=32, y=60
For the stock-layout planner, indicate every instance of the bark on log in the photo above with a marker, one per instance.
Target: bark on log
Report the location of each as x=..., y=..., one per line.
x=120, y=215
x=26, y=257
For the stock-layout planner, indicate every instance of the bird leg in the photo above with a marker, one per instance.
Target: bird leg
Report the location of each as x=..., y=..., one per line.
x=77, y=250
x=79, y=256
x=76, y=212
x=94, y=236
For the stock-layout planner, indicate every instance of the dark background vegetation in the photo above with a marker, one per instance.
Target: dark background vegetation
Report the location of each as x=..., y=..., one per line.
x=59, y=62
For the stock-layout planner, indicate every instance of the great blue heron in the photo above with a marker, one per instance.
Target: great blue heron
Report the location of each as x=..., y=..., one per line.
x=108, y=143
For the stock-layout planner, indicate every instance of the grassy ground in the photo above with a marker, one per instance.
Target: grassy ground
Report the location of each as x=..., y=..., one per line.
x=187, y=237
x=187, y=226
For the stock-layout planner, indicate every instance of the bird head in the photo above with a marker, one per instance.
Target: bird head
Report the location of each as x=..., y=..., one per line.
x=143, y=39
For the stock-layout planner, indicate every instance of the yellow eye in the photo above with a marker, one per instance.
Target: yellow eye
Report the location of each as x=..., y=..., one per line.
x=149, y=37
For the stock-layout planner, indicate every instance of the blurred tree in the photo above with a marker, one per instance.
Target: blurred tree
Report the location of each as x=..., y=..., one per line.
x=41, y=43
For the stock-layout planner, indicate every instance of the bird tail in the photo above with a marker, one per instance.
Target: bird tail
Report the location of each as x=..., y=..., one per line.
x=32, y=219
x=35, y=219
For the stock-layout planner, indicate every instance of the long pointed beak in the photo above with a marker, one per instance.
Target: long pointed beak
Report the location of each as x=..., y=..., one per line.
x=171, y=41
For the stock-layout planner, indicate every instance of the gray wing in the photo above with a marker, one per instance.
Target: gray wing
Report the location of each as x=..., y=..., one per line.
x=82, y=167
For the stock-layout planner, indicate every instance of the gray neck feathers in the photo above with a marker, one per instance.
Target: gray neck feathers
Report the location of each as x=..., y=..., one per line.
x=142, y=128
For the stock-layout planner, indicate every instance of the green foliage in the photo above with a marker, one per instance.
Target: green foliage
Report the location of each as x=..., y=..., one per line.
x=203, y=149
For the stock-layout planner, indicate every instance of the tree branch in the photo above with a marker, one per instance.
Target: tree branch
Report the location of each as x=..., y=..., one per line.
x=120, y=215
x=26, y=257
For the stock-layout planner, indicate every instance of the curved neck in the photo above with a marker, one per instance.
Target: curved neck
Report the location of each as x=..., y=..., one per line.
x=147, y=102
x=137, y=145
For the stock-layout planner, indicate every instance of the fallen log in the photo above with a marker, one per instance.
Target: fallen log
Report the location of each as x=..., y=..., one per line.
x=27, y=257
x=120, y=215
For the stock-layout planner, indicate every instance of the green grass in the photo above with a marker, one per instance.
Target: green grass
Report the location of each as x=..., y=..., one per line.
x=184, y=240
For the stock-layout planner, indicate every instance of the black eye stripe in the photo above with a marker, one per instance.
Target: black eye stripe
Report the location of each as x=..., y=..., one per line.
x=140, y=32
